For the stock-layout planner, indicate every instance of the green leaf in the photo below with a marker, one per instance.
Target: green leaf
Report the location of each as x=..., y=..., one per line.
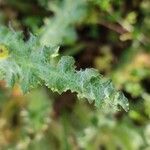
x=60, y=28
x=28, y=64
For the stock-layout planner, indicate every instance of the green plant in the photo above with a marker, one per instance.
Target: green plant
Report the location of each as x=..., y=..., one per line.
x=111, y=36
x=29, y=64
x=59, y=29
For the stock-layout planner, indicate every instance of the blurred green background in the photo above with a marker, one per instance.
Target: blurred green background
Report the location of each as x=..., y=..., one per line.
x=112, y=36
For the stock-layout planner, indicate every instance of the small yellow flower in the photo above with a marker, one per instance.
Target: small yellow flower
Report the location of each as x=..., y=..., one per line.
x=4, y=52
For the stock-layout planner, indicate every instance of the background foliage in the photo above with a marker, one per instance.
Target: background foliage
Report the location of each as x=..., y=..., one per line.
x=109, y=35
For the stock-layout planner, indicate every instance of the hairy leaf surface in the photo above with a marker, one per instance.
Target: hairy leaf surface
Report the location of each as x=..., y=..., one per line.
x=29, y=64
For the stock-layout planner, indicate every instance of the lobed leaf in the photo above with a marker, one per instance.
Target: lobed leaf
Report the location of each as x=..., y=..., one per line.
x=29, y=64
